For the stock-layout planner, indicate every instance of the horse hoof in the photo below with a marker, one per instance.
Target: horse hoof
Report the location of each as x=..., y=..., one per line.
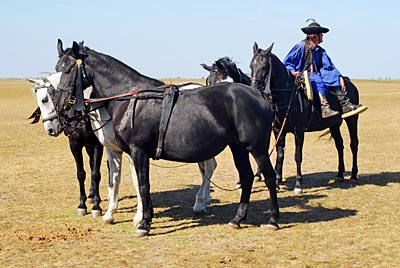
x=272, y=227
x=141, y=233
x=234, y=226
x=96, y=213
x=108, y=220
x=298, y=191
x=90, y=200
x=199, y=214
x=81, y=211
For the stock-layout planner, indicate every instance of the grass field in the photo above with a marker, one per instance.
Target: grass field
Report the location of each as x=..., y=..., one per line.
x=329, y=225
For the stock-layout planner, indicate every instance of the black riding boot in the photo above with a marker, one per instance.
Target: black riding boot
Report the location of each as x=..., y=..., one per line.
x=326, y=110
x=348, y=108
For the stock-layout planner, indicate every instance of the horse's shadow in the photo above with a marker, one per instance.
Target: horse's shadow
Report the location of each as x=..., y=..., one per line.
x=176, y=205
x=326, y=179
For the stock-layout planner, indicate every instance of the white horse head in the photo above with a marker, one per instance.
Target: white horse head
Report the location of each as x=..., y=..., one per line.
x=51, y=121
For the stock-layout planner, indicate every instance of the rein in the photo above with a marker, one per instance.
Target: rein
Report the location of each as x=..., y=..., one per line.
x=294, y=92
x=128, y=94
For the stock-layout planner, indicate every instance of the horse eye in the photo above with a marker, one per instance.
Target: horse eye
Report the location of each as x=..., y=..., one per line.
x=45, y=100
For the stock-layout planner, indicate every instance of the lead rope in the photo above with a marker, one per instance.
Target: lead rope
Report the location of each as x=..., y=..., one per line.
x=202, y=171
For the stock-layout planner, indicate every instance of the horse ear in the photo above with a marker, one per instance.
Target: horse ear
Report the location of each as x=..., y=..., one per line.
x=75, y=50
x=60, y=48
x=81, y=44
x=255, y=47
x=33, y=81
x=205, y=66
x=270, y=48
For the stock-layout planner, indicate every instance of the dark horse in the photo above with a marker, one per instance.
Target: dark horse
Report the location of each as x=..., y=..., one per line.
x=295, y=114
x=80, y=135
x=195, y=125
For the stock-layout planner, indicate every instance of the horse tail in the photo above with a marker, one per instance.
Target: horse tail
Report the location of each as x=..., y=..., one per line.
x=327, y=132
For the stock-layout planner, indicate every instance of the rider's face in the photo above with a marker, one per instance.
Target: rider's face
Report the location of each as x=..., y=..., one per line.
x=321, y=38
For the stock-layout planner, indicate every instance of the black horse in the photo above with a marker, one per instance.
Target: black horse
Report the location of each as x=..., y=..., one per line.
x=160, y=122
x=295, y=113
x=80, y=135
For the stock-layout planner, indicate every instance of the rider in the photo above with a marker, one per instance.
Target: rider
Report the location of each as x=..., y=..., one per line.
x=323, y=75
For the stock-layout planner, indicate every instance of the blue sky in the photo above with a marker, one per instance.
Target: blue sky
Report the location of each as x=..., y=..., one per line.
x=165, y=39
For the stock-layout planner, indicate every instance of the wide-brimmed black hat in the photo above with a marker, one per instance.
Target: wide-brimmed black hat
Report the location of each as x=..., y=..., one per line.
x=314, y=28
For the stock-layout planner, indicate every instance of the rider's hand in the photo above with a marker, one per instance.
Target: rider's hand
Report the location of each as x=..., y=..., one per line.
x=343, y=85
x=296, y=74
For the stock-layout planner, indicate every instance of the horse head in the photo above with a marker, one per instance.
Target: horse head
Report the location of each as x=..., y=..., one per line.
x=74, y=78
x=217, y=75
x=44, y=90
x=225, y=70
x=260, y=67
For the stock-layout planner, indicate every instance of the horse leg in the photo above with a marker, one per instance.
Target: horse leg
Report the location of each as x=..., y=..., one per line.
x=76, y=150
x=90, y=197
x=141, y=162
x=352, y=125
x=337, y=137
x=298, y=157
x=114, y=171
x=269, y=174
x=139, y=211
x=95, y=156
x=242, y=164
x=280, y=156
x=203, y=195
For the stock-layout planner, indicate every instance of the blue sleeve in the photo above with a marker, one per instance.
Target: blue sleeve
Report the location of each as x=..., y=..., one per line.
x=294, y=58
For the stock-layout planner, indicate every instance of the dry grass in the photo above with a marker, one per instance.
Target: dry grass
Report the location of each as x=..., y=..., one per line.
x=330, y=225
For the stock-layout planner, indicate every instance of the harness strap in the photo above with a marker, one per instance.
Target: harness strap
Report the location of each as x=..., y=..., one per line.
x=79, y=105
x=167, y=105
x=267, y=89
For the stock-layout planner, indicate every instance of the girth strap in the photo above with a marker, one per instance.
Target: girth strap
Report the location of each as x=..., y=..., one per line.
x=166, y=109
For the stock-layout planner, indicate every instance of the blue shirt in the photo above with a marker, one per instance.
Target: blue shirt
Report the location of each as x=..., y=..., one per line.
x=325, y=73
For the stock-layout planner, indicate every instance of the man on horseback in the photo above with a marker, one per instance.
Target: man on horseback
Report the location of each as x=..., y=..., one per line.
x=323, y=75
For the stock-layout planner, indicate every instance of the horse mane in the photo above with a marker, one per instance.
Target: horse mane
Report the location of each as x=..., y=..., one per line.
x=278, y=79
x=114, y=64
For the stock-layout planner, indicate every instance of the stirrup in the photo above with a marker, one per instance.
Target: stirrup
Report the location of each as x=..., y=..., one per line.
x=359, y=110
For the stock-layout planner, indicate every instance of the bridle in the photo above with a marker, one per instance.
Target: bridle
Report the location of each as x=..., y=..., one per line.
x=265, y=85
x=51, y=91
x=74, y=101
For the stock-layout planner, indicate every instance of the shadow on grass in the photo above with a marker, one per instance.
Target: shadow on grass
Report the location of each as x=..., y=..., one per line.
x=326, y=179
x=178, y=211
x=177, y=204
